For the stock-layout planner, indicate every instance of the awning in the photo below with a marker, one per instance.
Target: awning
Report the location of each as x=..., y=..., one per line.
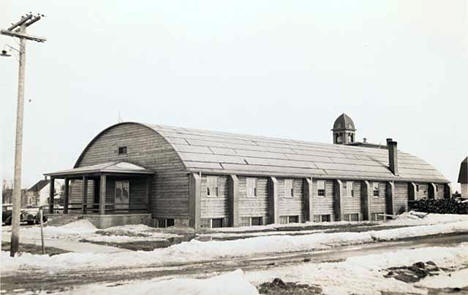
x=104, y=168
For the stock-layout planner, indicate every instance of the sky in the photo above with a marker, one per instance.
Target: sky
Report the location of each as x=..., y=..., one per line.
x=274, y=68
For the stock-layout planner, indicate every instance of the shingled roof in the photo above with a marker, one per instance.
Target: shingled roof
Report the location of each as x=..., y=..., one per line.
x=220, y=152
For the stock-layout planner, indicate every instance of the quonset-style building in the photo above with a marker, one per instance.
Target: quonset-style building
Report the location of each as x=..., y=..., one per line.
x=169, y=176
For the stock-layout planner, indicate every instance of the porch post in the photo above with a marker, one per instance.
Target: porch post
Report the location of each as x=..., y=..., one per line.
x=51, y=195
x=65, y=201
x=84, y=202
x=102, y=195
x=148, y=194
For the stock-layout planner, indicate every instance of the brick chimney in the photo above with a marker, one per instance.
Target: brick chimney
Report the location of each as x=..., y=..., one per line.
x=392, y=156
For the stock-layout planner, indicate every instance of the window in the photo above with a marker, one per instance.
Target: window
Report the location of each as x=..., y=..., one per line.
x=122, y=194
x=251, y=187
x=321, y=187
x=165, y=222
x=283, y=219
x=338, y=138
x=293, y=219
x=257, y=221
x=375, y=189
x=377, y=216
x=316, y=218
x=122, y=150
x=170, y=222
x=351, y=217
x=325, y=218
x=216, y=222
x=212, y=186
x=348, y=188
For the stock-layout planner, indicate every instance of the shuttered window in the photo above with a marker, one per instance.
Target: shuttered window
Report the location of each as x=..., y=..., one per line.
x=321, y=187
x=251, y=187
x=212, y=186
x=288, y=188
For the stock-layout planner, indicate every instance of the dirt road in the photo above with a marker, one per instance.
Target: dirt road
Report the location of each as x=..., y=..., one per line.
x=21, y=282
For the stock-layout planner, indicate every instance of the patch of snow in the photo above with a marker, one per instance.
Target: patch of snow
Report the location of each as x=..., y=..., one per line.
x=232, y=283
x=363, y=274
x=420, y=218
x=76, y=228
x=457, y=279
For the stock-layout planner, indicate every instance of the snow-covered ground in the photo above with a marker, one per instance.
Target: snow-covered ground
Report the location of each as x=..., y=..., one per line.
x=418, y=218
x=84, y=230
x=194, y=250
x=232, y=283
x=363, y=274
x=356, y=275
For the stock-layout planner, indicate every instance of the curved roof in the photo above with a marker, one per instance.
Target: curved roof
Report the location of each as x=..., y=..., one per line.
x=344, y=122
x=226, y=153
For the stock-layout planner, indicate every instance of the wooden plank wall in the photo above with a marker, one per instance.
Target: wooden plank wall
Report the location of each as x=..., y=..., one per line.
x=146, y=148
x=440, y=191
x=291, y=206
x=215, y=206
x=400, y=198
x=323, y=205
x=254, y=206
x=378, y=203
x=423, y=191
x=352, y=204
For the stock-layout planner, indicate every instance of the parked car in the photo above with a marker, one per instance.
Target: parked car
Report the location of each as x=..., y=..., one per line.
x=30, y=216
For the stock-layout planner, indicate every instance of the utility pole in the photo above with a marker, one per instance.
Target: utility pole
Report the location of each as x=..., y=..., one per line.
x=18, y=30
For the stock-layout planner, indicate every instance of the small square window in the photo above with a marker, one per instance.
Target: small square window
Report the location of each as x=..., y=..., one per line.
x=170, y=222
x=321, y=188
x=293, y=219
x=375, y=189
x=122, y=150
x=257, y=221
x=326, y=218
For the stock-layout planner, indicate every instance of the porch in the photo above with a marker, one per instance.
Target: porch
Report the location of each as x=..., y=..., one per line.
x=113, y=188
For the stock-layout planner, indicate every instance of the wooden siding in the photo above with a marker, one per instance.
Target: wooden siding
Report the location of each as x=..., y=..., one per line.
x=400, y=198
x=440, y=191
x=352, y=204
x=215, y=206
x=423, y=192
x=378, y=203
x=291, y=206
x=257, y=206
x=148, y=149
x=323, y=205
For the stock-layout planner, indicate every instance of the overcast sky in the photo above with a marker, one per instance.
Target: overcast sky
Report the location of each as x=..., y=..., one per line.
x=273, y=68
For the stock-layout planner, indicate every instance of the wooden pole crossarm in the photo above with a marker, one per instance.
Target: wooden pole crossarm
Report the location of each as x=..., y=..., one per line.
x=20, y=22
x=22, y=36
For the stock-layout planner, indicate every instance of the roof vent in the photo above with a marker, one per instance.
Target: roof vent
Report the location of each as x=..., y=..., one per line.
x=392, y=156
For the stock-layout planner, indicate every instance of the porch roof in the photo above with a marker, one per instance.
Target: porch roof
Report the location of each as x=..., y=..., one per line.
x=104, y=168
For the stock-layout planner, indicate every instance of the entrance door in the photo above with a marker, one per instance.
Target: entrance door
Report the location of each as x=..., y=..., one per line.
x=122, y=194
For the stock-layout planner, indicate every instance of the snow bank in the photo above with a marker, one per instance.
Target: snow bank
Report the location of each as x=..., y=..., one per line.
x=457, y=279
x=362, y=274
x=420, y=218
x=212, y=250
x=79, y=227
x=233, y=283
